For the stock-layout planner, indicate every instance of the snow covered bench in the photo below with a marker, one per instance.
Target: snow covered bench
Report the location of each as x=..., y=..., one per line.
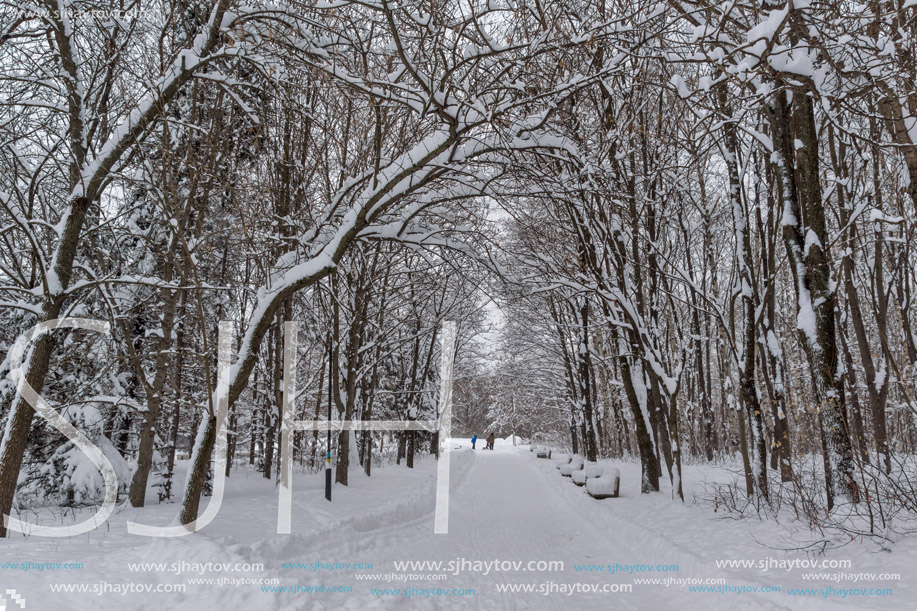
x=591, y=470
x=575, y=464
x=563, y=459
x=604, y=486
x=543, y=453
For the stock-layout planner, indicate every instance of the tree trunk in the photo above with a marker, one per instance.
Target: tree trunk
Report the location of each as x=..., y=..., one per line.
x=200, y=465
x=805, y=236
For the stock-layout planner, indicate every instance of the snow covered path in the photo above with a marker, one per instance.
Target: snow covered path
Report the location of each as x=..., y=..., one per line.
x=505, y=514
x=520, y=537
x=513, y=508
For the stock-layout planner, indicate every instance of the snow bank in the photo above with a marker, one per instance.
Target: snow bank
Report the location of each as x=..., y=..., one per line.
x=355, y=523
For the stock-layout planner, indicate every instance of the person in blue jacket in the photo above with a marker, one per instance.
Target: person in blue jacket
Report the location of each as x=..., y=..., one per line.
x=473, y=439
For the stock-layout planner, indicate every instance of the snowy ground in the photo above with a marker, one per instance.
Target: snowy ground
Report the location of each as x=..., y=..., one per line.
x=513, y=521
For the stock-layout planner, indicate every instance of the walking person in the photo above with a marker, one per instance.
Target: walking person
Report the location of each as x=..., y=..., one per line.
x=490, y=441
x=474, y=439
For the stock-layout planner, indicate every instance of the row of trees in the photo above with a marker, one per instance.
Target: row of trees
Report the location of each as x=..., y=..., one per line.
x=698, y=217
x=721, y=258
x=172, y=165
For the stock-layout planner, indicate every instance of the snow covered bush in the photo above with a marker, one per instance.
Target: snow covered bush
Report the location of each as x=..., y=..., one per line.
x=888, y=511
x=68, y=477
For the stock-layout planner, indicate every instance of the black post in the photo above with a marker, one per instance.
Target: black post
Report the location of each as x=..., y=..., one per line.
x=330, y=389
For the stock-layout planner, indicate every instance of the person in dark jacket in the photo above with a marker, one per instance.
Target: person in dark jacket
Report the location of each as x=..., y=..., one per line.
x=473, y=439
x=490, y=441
